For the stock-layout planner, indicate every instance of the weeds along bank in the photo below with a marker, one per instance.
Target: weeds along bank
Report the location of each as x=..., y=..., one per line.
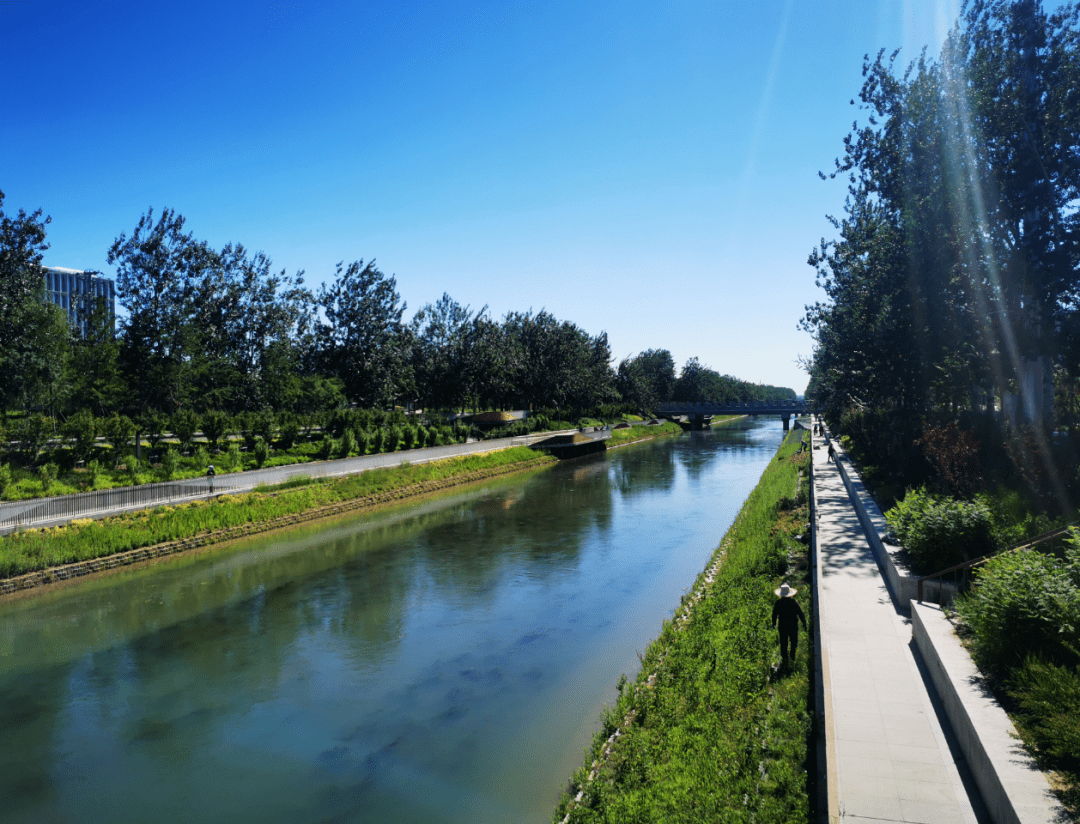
x=230, y=516
x=708, y=731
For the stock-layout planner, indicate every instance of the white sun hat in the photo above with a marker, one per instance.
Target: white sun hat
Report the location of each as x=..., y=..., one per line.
x=785, y=591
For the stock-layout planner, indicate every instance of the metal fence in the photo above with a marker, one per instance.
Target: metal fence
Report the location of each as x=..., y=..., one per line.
x=61, y=509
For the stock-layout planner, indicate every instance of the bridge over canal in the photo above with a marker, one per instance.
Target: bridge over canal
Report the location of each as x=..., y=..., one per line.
x=699, y=413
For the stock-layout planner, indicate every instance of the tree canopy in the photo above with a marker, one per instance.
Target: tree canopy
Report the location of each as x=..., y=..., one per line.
x=952, y=280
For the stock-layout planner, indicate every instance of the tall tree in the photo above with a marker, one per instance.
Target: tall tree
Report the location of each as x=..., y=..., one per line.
x=158, y=270
x=362, y=341
x=33, y=333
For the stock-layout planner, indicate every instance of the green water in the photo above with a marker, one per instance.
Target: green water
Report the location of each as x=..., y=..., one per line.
x=442, y=662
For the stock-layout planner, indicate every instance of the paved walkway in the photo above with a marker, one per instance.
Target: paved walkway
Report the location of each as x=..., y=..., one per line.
x=887, y=755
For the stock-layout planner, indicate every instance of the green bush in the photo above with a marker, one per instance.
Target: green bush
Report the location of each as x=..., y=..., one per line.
x=408, y=437
x=289, y=431
x=262, y=452
x=347, y=444
x=201, y=458
x=93, y=470
x=363, y=441
x=939, y=531
x=184, y=425
x=1049, y=699
x=170, y=462
x=214, y=426
x=378, y=440
x=82, y=428
x=5, y=478
x=233, y=460
x=327, y=448
x=48, y=473
x=1020, y=603
x=393, y=438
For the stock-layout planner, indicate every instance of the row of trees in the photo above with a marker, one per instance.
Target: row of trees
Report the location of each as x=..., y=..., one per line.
x=952, y=283
x=207, y=329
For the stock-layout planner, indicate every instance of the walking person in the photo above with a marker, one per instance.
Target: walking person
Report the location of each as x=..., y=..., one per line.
x=787, y=612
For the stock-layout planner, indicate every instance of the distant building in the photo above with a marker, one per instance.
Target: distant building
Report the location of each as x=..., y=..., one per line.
x=74, y=291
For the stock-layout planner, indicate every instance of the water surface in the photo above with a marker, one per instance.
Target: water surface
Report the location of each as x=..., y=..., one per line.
x=440, y=662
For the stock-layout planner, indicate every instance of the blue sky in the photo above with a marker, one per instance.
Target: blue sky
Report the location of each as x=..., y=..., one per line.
x=645, y=169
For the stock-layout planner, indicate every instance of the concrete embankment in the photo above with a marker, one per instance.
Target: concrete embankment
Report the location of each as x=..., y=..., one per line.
x=55, y=574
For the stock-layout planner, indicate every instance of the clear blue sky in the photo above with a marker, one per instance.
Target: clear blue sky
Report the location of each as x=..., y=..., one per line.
x=646, y=169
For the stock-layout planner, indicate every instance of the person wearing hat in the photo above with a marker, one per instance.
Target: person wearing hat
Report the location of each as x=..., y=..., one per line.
x=788, y=613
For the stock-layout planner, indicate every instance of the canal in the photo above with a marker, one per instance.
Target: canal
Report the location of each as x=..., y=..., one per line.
x=445, y=661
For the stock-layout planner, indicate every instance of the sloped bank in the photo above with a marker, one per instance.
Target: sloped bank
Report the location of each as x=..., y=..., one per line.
x=708, y=730
x=86, y=547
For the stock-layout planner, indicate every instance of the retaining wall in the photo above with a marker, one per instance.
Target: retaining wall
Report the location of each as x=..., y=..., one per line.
x=1014, y=790
x=903, y=585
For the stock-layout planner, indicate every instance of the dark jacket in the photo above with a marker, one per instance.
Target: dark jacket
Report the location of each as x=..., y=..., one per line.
x=789, y=613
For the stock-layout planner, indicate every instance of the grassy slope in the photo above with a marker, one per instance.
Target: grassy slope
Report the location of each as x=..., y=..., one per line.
x=85, y=539
x=708, y=731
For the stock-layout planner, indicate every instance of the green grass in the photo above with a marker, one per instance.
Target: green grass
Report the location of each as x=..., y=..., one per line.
x=83, y=540
x=636, y=433
x=709, y=732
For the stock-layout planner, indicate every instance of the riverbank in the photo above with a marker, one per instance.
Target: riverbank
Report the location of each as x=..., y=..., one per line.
x=709, y=730
x=37, y=557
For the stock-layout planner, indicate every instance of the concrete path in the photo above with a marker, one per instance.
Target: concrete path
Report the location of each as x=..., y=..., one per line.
x=888, y=758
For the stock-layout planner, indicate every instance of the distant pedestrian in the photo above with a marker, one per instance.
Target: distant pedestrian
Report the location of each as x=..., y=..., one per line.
x=787, y=612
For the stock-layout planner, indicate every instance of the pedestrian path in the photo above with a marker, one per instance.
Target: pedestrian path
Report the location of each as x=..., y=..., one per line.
x=887, y=756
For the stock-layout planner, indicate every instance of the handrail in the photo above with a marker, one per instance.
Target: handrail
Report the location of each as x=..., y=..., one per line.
x=1025, y=544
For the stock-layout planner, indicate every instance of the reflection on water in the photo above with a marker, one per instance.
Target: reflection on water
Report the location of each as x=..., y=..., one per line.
x=442, y=662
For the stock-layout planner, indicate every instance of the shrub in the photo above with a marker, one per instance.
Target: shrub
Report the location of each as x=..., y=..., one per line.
x=421, y=437
x=1022, y=602
x=378, y=440
x=363, y=441
x=1049, y=699
x=48, y=473
x=327, y=448
x=214, y=426
x=169, y=462
x=264, y=425
x=939, y=531
x=954, y=454
x=233, y=460
x=347, y=444
x=408, y=437
x=262, y=452
x=93, y=469
x=82, y=428
x=184, y=425
x=289, y=431
x=5, y=478
x=393, y=438
x=201, y=457
x=433, y=436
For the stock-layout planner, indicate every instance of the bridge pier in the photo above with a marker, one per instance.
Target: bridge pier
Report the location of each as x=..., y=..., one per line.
x=786, y=418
